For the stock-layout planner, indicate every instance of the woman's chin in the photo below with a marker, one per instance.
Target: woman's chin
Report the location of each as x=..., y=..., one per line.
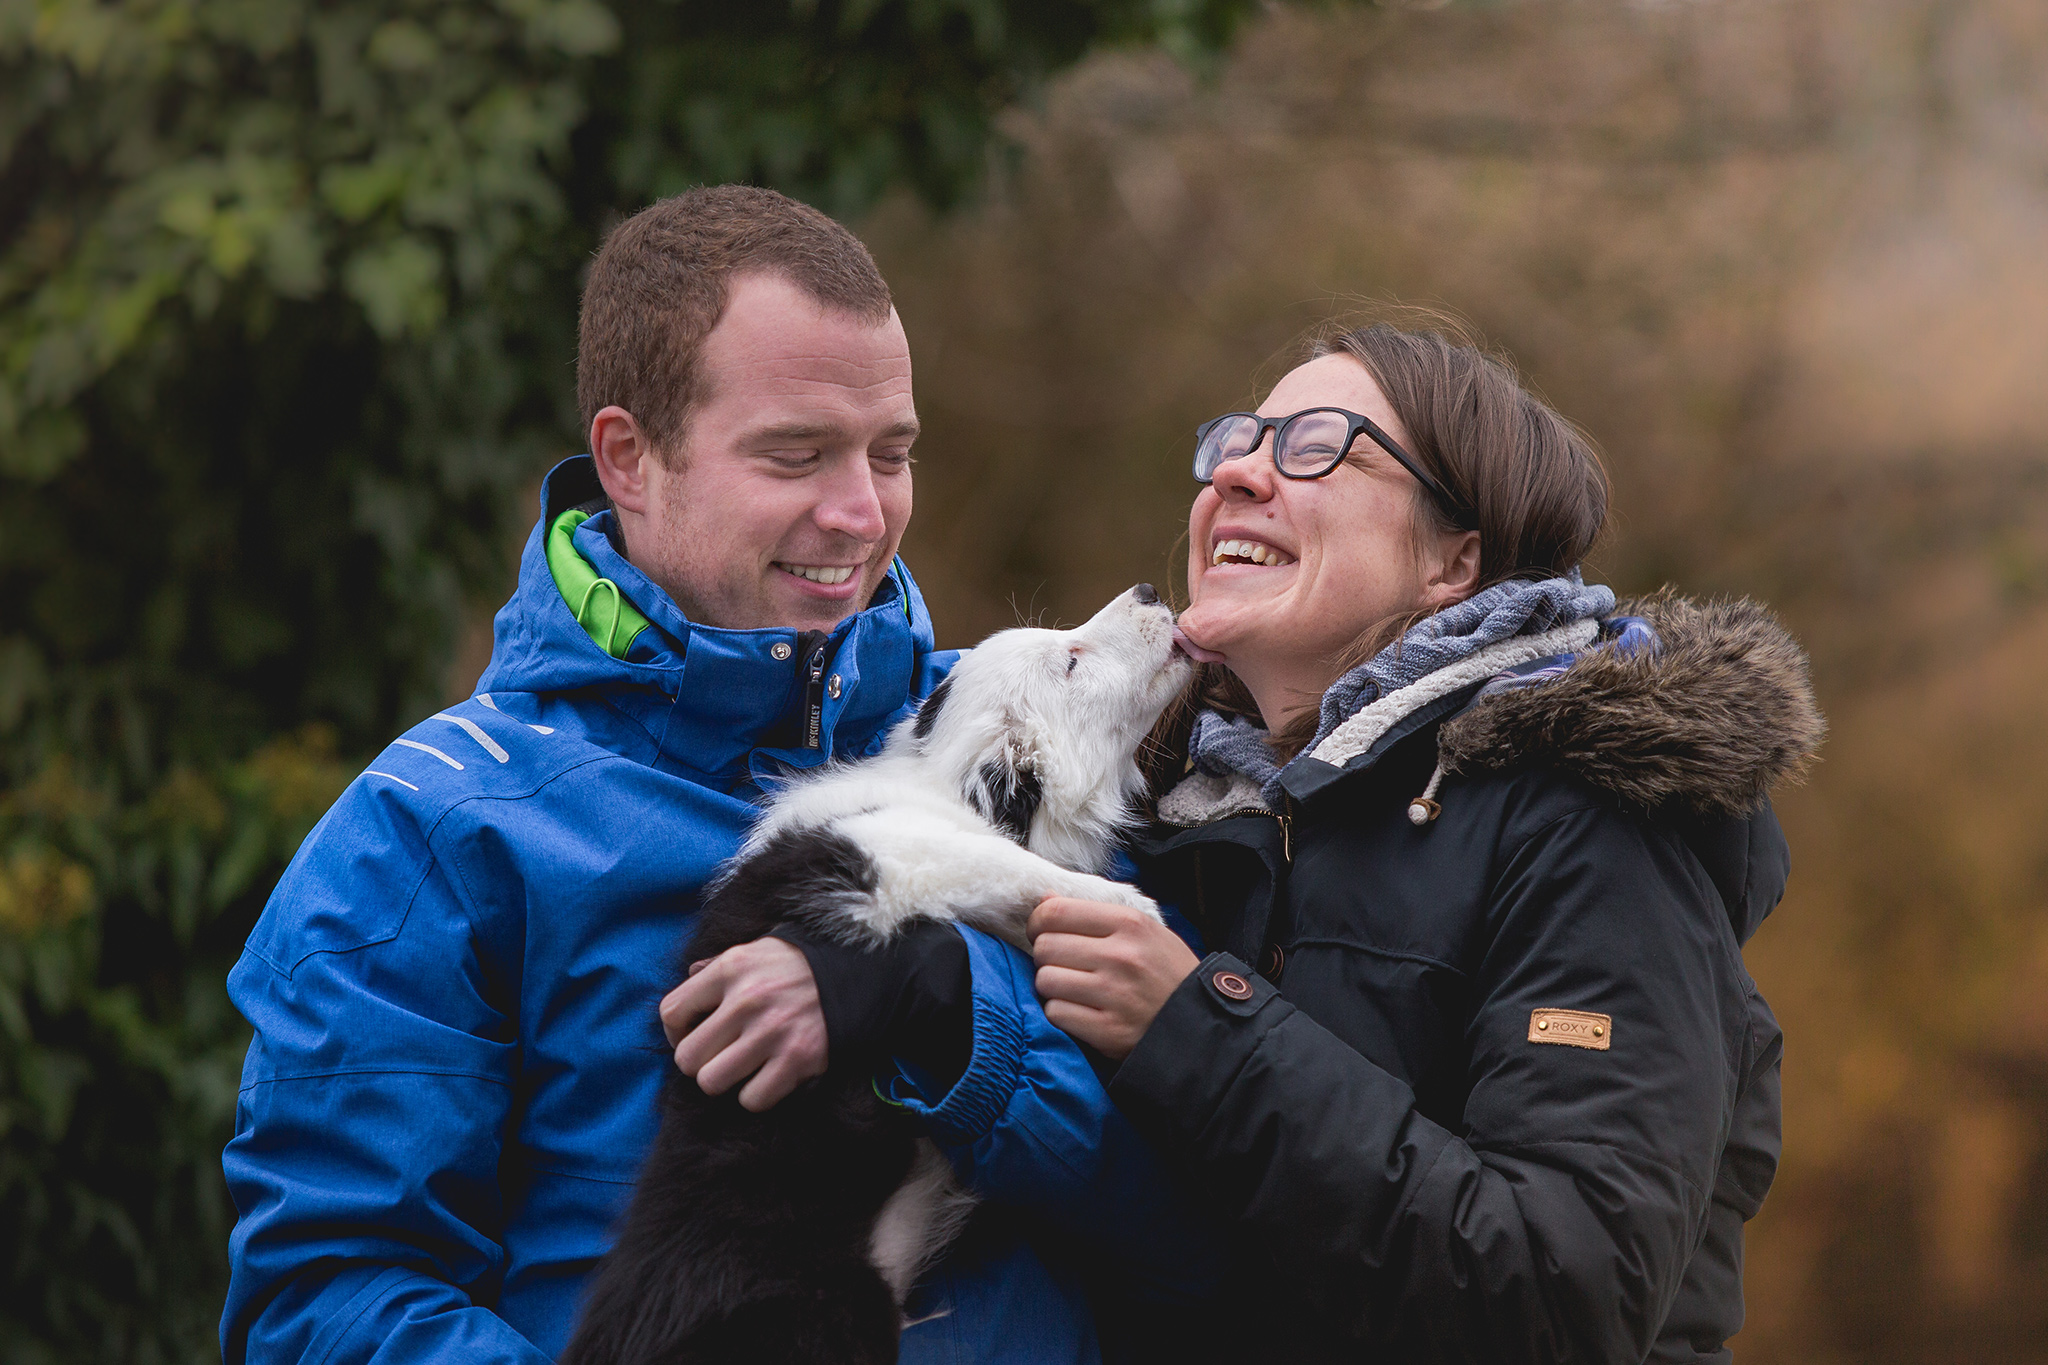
x=1215, y=633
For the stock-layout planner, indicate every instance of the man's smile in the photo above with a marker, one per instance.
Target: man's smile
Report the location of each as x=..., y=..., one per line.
x=827, y=574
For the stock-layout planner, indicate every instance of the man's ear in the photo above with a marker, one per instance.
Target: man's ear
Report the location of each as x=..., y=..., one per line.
x=624, y=457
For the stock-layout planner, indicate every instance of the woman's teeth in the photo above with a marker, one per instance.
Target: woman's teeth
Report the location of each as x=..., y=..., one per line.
x=1250, y=551
x=819, y=573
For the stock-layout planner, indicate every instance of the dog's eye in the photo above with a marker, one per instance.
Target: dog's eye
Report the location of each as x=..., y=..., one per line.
x=1073, y=658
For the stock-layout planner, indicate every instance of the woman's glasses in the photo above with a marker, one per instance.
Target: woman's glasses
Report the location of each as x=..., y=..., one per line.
x=1307, y=445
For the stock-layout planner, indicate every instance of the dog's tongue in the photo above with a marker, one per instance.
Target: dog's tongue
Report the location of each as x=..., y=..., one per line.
x=1194, y=651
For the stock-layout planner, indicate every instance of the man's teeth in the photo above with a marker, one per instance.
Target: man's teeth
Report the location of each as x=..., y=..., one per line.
x=819, y=573
x=1249, y=550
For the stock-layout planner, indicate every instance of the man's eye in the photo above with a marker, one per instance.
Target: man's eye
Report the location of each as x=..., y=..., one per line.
x=792, y=459
x=898, y=458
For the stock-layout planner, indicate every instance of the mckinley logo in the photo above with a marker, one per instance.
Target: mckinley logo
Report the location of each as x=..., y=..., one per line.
x=1573, y=1028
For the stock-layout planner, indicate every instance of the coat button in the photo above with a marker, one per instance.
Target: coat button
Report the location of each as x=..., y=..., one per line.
x=1232, y=985
x=1272, y=962
x=832, y=687
x=780, y=649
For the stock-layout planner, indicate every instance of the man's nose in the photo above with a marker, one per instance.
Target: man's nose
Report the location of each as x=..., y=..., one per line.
x=852, y=505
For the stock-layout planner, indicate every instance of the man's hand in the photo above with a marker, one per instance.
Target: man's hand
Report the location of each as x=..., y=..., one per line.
x=1105, y=970
x=750, y=1011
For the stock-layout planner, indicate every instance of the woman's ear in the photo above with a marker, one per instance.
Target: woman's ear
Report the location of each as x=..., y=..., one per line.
x=1455, y=574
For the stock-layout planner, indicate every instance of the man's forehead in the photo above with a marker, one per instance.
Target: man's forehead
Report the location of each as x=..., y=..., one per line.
x=769, y=321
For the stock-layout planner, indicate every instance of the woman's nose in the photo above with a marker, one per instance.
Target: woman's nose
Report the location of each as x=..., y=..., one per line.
x=1248, y=476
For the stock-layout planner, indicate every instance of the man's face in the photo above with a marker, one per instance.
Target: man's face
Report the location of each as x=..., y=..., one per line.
x=787, y=501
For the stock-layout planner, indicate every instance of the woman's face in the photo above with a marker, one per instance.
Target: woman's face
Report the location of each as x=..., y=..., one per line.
x=1333, y=557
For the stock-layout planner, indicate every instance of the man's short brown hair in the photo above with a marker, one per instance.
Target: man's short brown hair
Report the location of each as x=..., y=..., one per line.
x=659, y=286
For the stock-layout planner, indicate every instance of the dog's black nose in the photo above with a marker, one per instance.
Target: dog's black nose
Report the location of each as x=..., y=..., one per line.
x=1145, y=593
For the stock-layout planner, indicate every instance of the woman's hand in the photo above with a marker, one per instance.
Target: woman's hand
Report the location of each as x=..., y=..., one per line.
x=1105, y=970
x=751, y=1011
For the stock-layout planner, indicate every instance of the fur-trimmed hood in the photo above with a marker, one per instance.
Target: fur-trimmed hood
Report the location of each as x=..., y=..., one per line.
x=1711, y=720
x=1721, y=711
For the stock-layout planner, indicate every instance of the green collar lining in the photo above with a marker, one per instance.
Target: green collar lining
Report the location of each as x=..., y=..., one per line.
x=614, y=629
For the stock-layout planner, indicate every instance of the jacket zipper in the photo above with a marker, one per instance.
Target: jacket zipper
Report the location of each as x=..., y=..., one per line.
x=814, y=698
x=1286, y=819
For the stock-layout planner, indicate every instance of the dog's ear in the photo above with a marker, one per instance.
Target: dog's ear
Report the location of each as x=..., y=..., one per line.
x=928, y=712
x=1007, y=791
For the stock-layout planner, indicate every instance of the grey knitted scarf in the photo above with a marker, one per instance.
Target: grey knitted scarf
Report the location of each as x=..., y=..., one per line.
x=1503, y=611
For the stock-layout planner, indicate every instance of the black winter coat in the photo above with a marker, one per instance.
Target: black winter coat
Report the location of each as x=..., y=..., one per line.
x=1500, y=1089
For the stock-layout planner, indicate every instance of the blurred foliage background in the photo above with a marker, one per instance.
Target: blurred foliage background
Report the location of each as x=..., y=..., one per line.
x=287, y=299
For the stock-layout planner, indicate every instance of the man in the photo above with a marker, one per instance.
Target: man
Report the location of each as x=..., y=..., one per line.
x=457, y=1053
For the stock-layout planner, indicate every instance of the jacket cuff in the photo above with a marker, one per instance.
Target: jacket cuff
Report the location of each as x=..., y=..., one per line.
x=972, y=1105
x=1184, y=1065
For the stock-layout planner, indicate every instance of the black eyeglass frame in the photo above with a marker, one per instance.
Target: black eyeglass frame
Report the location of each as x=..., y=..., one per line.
x=1453, y=507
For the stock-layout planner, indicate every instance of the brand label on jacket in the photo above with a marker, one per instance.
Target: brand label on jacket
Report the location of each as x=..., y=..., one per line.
x=1574, y=1028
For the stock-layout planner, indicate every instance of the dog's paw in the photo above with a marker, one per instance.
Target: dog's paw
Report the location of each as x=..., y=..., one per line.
x=1121, y=893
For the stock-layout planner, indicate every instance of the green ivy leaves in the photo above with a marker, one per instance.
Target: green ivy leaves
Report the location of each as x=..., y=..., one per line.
x=287, y=322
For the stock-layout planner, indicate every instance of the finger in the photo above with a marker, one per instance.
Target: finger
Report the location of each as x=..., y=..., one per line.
x=686, y=1004
x=739, y=1059
x=1084, y=1022
x=1078, y=951
x=1040, y=920
x=699, y=965
x=1063, y=914
x=773, y=1083
x=709, y=1039
x=1072, y=987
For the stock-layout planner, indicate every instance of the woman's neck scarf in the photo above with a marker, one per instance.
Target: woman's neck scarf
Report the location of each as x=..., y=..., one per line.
x=1504, y=611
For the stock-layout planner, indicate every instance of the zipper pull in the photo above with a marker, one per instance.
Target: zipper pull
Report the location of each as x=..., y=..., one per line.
x=1287, y=829
x=814, y=699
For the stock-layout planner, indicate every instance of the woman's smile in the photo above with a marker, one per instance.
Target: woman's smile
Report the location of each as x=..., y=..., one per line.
x=1245, y=550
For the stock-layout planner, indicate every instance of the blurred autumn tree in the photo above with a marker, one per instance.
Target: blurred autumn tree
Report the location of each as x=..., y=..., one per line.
x=287, y=306
x=1785, y=262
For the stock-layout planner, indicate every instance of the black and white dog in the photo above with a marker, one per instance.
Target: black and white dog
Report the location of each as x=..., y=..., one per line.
x=794, y=1235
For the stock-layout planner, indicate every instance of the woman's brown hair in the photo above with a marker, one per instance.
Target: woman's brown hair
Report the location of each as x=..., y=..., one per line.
x=1532, y=478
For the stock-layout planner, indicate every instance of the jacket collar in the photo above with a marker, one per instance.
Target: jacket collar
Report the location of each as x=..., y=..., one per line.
x=715, y=703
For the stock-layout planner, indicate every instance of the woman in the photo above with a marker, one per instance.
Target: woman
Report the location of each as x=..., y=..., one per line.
x=1476, y=1072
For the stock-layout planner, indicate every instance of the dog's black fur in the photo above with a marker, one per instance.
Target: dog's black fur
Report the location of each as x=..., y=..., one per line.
x=747, y=1238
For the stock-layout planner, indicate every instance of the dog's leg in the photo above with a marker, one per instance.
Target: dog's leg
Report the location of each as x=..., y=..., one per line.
x=920, y=1220
x=930, y=870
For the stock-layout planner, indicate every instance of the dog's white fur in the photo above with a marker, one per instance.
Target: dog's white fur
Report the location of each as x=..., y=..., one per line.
x=1062, y=709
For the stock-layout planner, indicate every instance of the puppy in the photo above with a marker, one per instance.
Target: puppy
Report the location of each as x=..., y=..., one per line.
x=794, y=1235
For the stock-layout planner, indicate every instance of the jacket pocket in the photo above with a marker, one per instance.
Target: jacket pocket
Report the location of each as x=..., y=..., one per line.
x=350, y=885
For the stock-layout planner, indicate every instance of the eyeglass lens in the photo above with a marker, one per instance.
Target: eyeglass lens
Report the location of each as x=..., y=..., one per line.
x=1228, y=439
x=1309, y=444
x=1313, y=442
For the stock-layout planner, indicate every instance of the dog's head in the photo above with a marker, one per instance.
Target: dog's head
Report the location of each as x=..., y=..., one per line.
x=1040, y=728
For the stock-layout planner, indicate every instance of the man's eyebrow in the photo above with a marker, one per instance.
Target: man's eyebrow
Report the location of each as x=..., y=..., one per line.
x=812, y=431
x=788, y=431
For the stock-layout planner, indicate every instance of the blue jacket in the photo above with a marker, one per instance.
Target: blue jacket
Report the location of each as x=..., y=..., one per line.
x=457, y=1057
